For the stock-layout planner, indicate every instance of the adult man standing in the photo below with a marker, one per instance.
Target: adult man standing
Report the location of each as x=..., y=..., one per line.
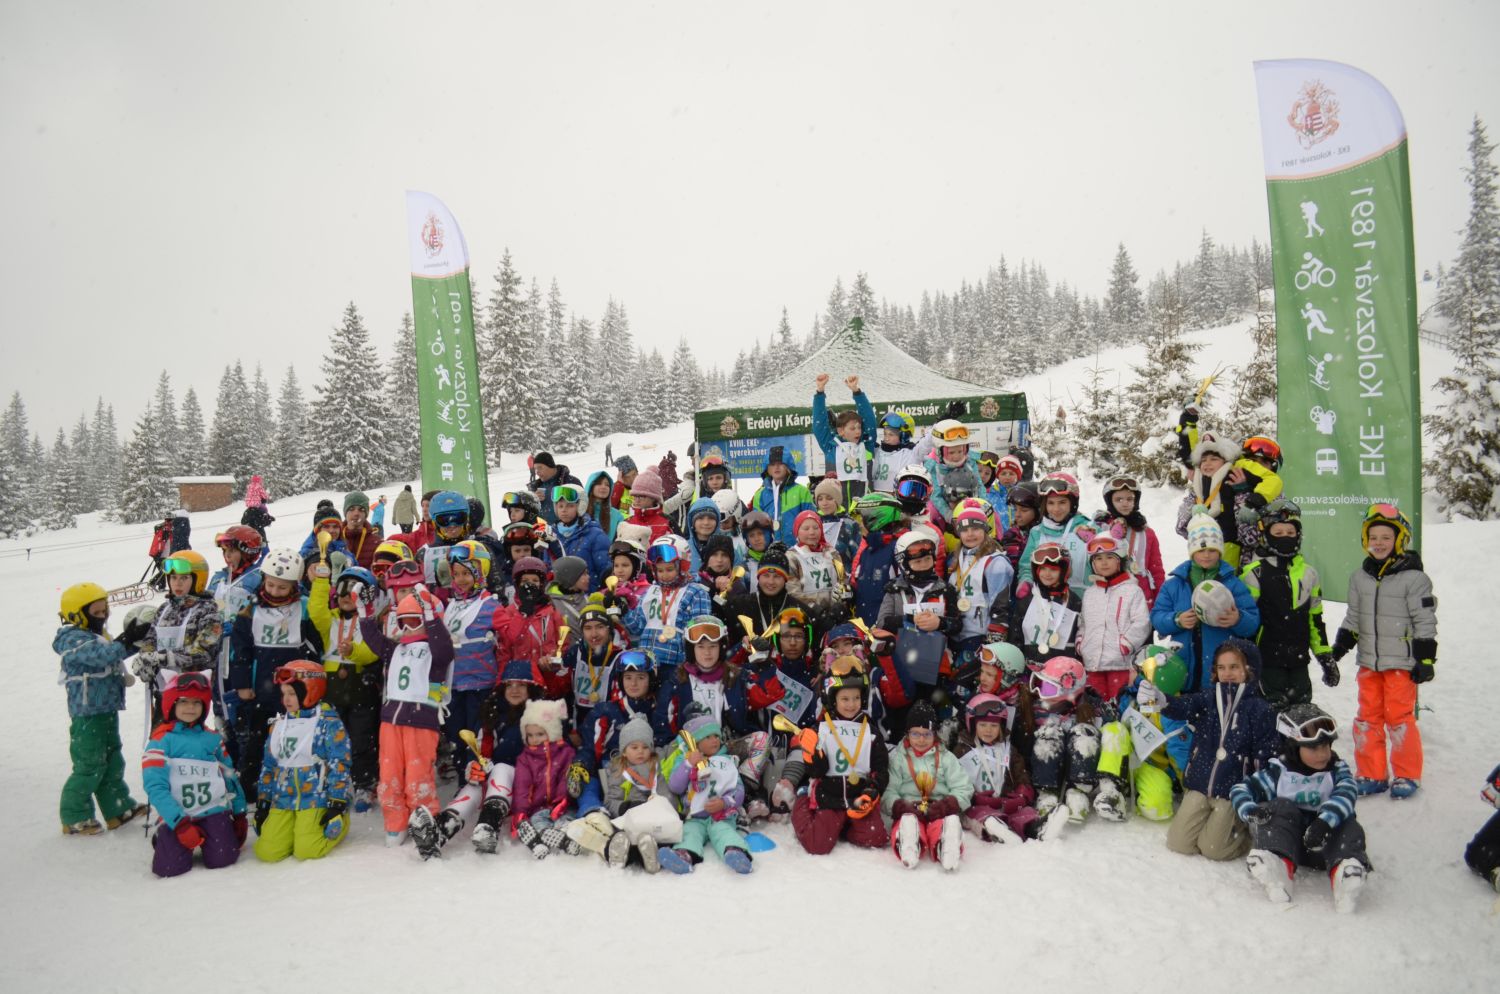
x=546, y=474
x=404, y=516
x=359, y=534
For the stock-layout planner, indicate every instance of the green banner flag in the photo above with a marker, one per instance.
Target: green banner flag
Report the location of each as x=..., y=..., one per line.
x=453, y=456
x=1348, y=398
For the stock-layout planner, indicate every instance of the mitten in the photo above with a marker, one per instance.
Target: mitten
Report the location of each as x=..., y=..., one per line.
x=477, y=772
x=1342, y=643
x=189, y=834
x=1330, y=669
x=783, y=795
x=943, y=808
x=241, y=828
x=1424, y=667
x=1316, y=836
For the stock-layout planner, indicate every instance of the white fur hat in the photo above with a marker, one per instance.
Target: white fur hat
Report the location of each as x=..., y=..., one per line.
x=545, y=714
x=1209, y=442
x=637, y=535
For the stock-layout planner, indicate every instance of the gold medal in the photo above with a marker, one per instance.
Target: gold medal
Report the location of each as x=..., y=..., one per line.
x=667, y=634
x=964, y=604
x=854, y=779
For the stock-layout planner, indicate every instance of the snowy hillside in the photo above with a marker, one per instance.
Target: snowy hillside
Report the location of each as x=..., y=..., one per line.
x=1107, y=906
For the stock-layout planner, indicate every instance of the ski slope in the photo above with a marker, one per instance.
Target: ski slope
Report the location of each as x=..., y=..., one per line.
x=1106, y=907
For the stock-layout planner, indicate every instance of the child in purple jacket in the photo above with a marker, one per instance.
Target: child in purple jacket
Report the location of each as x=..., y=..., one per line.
x=708, y=781
x=539, y=795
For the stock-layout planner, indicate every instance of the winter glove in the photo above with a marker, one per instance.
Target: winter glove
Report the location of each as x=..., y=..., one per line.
x=241, y=828
x=1149, y=698
x=477, y=772
x=867, y=801
x=1316, y=836
x=1189, y=417
x=578, y=777
x=783, y=796
x=431, y=606
x=1425, y=653
x=134, y=631
x=442, y=569
x=1330, y=669
x=262, y=812
x=338, y=562
x=1491, y=792
x=1258, y=815
x=190, y=835
x=942, y=809
x=1342, y=643
x=760, y=649
x=1023, y=590
x=333, y=820
x=1422, y=671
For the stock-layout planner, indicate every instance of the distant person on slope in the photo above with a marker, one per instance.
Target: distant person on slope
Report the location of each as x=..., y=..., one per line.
x=404, y=514
x=255, y=493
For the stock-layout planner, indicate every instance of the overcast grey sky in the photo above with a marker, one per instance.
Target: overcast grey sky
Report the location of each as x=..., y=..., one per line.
x=189, y=183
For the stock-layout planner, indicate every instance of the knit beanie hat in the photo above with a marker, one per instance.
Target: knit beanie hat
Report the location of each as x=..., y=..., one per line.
x=831, y=488
x=355, y=499
x=544, y=459
x=637, y=729
x=921, y=715
x=648, y=484
x=775, y=558
x=567, y=571
x=702, y=727
x=323, y=514
x=718, y=542
x=624, y=464
x=1204, y=533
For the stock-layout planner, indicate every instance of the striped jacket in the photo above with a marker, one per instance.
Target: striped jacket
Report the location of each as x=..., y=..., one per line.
x=1265, y=785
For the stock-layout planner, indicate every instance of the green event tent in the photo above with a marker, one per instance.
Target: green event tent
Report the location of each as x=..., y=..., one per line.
x=780, y=413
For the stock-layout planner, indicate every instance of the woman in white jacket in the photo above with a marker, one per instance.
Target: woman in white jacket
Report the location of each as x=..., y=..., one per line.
x=1115, y=624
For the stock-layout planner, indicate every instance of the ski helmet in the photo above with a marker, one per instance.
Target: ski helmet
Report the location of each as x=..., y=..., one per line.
x=1213, y=601
x=1107, y=543
x=476, y=514
x=528, y=564
x=1065, y=484
x=75, y=602
x=713, y=465
x=877, y=511
x=1025, y=494
x=793, y=617
x=899, y=422
x=1114, y=486
x=242, y=537
x=959, y=484
x=845, y=672
x=1391, y=516
x=1306, y=725
x=448, y=510
x=1280, y=511
x=307, y=679
x=283, y=564
x=188, y=562
x=1164, y=669
x=950, y=433
x=192, y=686
x=704, y=628
x=519, y=533
x=409, y=607
x=728, y=503
x=667, y=550
x=911, y=543
x=1263, y=447
x=1007, y=657
x=355, y=576
x=525, y=500
x=1061, y=678
x=473, y=556
x=1052, y=554
x=987, y=707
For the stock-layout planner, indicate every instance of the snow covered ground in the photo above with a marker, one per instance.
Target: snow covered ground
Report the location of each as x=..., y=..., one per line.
x=1107, y=906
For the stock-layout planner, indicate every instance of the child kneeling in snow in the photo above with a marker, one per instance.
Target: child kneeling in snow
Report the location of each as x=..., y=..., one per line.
x=1000, y=810
x=304, y=780
x=1483, y=852
x=192, y=784
x=1065, y=746
x=1300, y=810
x=540, y=792
x=926, y=796
x=708, y=781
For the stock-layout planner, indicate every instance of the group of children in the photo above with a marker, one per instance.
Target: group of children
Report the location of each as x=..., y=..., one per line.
x=914, y=650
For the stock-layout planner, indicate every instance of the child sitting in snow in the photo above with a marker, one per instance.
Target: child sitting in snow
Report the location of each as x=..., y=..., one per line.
x=1065, y=748
x=1483, y=852
x=304, y=782
x=540, y=796
x=927, y=794
x=708, y=781
x=191, y=783
x=1300, y=810
x=633, y=782
x=1000, y=810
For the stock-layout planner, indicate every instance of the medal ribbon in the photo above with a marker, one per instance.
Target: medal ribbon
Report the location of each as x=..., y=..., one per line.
x=859, y=743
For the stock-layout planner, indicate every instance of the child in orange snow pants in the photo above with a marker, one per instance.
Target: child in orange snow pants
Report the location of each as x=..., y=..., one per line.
x=408, y=773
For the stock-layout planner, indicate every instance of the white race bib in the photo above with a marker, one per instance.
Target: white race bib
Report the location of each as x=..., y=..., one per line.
x=723, y=776
x=291, y=741
x=589, y=686
x=197, y=785
x=794, y=704
x=856, y=745
x=1048, y=624
x=850, y=458
x=987, y=766
x=710, y=695
x=817, y=571
x=406, y=678
x=170, y=638
x=277, y=626
x=888, y=466
x=459, y=616
x=1307, y=792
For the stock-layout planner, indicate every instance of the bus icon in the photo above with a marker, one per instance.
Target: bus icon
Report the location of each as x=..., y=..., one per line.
x=1326, y=461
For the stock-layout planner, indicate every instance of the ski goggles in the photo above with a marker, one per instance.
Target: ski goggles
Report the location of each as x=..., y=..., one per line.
x=664, y=553
x=705, y=631
x=1389, y=512
x=516, y=498
x=411, y=622
x=1049, y=555
x=452, y=519
x=1047, y=689
x=469, y=557
x=177, y=567
x=289, y=673
x=893, y=421
x=1122, y=483
x=958, y=434
x=990, y=459
x=713, y=462
x=792, y=617
x=196, y=681
x=1262, y=447
x=990, y=711
x=405, y=568
x=1049, y=487
x=566, y=493
x=921, y=550
x=989, y=657
x=1313, y=731
x=634, y=659
x=913, y=489
x=1104, y=545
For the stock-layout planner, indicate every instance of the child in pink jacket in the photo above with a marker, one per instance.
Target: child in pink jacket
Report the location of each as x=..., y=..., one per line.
x=1115, y=623
x=539, y=794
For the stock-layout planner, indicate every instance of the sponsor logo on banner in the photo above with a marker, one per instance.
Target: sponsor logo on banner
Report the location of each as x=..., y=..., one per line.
x=432, y=234
x=730, y=427
x=989, y=408
x=1315, y=114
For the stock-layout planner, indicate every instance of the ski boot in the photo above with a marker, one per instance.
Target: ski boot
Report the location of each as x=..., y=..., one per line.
x=1109, y=801
x=364, y=800
x=1368, y=785
x=909, y=841
x=675, y=861
x=86, y=827
x=594, y=831
x=1077, y=803
x=529, y=837
x=737, y=860
x=1404, y=787
x=997, y=831
x=136, y=812
x=394, y=840
x=647, y=848
x=1046, y=803
x=617, y=850
x=1272, y=873
x=1348, y=880
x=557, y=840
x=951, y=844
x=424, y=833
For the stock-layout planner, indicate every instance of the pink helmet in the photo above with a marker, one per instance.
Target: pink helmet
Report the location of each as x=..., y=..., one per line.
x=1061, y=678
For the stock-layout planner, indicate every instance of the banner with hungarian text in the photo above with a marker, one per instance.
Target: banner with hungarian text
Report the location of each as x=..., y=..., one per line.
x=453, y=456
x=1348, y=400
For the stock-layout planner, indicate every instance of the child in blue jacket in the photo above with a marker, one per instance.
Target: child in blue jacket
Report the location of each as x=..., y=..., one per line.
x=847, y=441
x=192, y=784
x=304, y=781
x=1177, y=613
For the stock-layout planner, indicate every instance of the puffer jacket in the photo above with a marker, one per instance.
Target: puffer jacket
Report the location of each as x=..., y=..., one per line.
x=1114, y=624
x=202, y=632
x=298, y=788
x=1066, y=535
x=949, y=778
x=1199, y=643
x=541, y=778
x=256, y=648
x=1232, y=719
x=93, y=669
x=1392, y=616
x=586, y=540
x=333, y=624
x=171, y=741
x=474, y=625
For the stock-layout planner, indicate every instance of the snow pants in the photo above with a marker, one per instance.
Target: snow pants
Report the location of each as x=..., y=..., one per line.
x=408, y=773
x=1483, y=853
x=471, y=797
x=295, y=833
x=1285, y=686
x=220, y=849
x=1065, y=756
x=251, y=726
x=1109, y=683
x=818, y=829
x=356, y=697
x=721, y=834
x=463, y=712
x=1209, y=826
x=1387, y=713
x=1282, y=835
x=1014, y=809
x=98, y=770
